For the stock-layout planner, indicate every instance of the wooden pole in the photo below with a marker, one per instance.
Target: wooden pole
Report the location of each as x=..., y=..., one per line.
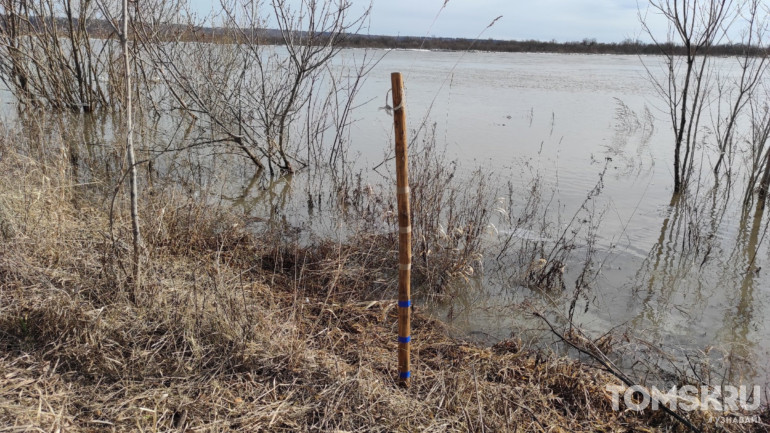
x=404, y=230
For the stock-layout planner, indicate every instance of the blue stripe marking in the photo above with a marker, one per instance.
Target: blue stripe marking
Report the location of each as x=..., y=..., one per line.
x=405, y=304
x=404, y=339
x=405, y=374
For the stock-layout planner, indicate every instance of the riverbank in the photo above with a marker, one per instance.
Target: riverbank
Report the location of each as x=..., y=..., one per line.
x=242, y=330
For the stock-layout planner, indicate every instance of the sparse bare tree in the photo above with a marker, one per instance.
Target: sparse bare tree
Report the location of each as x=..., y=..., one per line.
x=122, y=29
x=697, y=26
x=137, y=236
x=737, y=93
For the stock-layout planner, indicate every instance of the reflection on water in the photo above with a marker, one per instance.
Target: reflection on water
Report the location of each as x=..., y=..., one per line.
x=682, y=275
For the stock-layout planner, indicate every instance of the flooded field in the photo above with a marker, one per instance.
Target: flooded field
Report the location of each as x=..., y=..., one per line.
x=667, y=277
x=566, y=117
x=685, y=279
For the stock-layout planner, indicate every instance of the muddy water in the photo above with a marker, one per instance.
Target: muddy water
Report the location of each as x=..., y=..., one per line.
x=661, y=283
x=667, y=277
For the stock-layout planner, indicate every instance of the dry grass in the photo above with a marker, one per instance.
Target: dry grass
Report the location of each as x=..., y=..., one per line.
x=239, y=331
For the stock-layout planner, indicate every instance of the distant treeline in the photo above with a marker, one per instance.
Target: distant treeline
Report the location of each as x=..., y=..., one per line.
x=102, y=29
x=586, y=46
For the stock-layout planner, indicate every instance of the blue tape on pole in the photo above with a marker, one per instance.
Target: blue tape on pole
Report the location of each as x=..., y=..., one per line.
x=404, y=339
x=405, y=304
x=405, y=374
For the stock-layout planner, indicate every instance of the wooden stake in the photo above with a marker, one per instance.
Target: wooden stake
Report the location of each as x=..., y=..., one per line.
x=405, y=230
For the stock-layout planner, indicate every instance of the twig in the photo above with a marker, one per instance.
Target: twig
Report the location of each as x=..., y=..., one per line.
x=617, y=373
x=478, y=400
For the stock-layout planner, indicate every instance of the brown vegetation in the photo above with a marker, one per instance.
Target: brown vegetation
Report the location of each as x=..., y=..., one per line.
x=237, y=327
x=242, y=330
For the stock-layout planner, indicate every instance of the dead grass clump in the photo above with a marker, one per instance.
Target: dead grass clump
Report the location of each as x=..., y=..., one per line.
x=450, y=212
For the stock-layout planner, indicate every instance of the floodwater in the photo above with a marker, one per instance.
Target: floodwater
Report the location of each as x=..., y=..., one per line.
x=678, y=279
x=669, y=278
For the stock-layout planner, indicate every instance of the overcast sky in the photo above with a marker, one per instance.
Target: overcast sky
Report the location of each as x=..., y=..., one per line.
x=563, y=20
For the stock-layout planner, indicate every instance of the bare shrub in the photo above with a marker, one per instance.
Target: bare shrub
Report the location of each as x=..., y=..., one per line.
x=50, y=55
x=257, y=94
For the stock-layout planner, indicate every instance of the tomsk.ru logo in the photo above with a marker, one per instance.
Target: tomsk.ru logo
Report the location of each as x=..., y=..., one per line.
x=687, y=398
